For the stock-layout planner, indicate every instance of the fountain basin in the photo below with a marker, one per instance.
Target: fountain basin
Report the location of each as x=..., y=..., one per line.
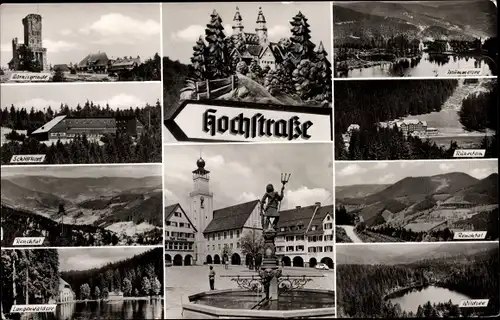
x=244, y=304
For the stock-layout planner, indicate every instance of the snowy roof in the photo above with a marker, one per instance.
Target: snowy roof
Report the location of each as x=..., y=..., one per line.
x=49, y=125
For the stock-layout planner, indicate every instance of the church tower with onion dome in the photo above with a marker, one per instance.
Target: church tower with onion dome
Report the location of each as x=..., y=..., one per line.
x=201, y=206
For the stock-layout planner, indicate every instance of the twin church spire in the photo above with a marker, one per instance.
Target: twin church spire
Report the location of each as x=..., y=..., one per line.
x=260, y=30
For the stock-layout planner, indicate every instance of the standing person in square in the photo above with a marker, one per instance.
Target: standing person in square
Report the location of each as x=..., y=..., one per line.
x=211, y=278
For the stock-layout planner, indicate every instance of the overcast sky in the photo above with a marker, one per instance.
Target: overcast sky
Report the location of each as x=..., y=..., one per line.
x=407, y=248
x=184, y=23
x=350, y=173
x=118, y=95
x=132, y=171
x=240, y=172
x=88, y=258
x=72, y=31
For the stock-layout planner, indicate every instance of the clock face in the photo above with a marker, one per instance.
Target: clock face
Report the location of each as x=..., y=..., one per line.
x=201, y=198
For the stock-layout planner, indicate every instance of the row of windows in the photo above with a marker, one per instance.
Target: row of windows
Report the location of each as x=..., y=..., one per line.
x=179, y=234
x=301, y=249
x=225, y=234
x=328, y=237
x=326, y=226
x=179, y=245
x=178, y=224
x=219, y=247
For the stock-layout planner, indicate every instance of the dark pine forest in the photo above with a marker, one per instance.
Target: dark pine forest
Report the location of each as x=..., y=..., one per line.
x=368, y=102
x=113, y=149
x=138, y=276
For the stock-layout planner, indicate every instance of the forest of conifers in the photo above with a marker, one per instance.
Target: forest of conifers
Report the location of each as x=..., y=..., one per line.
x=115, y=148
x=140, y=275
x=368, y=102
x=362, y=288
x=42, y=270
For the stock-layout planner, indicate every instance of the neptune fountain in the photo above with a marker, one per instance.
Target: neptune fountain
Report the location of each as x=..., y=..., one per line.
x=270, y=294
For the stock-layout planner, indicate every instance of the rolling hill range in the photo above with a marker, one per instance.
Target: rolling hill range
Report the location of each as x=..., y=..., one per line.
x=100, y=202
x=358, y=190
x=421, y=196
x=449, y=19
x=390, y=255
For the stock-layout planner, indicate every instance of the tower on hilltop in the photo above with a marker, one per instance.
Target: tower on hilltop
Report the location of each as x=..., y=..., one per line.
x=30, y=55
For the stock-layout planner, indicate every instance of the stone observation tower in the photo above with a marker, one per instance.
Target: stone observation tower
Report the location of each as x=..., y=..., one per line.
x=32, y=48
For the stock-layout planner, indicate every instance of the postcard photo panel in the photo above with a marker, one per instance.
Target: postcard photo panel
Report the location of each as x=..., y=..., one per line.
x=83, y=283
x=416, y=39
x=82, y=206
x=56, y=43
x=262, y=68
x=419, y=280
x=261, y=229
x=81, y=124
x=415, y=119
x=419, y=201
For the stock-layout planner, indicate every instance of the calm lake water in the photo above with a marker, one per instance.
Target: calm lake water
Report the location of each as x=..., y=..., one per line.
x=109, y=310
x=412, y=299
x=426, y=68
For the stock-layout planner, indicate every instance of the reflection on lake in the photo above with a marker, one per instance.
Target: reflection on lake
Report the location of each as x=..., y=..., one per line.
x=429, y=66
x=106, y=310
x=412, y=299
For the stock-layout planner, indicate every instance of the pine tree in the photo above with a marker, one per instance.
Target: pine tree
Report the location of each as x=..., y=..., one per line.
x=325, y=73
x=217, y=61
x=302, y=47
x=198, y=59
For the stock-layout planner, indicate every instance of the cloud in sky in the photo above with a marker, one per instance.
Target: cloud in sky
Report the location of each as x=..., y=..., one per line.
x=446, y=166
x=239, y=173
x=119, y=25
x=72, y=31
x=52, y=46
x=381, y=165
x=122, y=100
x=190, y=34
x=351, y=169
x=278, y=31
x=59, y=45
x=118, y=96
x=392, y=171
x=66, y=32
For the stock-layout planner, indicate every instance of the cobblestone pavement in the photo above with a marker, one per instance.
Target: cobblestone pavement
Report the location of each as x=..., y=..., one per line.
x=183, y=281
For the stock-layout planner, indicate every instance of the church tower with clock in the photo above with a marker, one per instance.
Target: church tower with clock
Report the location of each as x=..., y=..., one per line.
x=201, y=207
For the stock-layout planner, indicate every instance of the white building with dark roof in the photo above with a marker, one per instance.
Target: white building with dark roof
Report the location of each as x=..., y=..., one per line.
x=305, y=236
x=179, y=236
x=310, y=227
x=64, y=127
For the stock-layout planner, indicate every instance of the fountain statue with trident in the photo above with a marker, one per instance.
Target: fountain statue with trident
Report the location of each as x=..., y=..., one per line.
x=269, y=208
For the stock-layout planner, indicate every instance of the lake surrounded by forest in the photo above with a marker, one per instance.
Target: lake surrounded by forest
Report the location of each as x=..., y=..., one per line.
x=427, y=67
x=410, y=300
x=106, y=310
